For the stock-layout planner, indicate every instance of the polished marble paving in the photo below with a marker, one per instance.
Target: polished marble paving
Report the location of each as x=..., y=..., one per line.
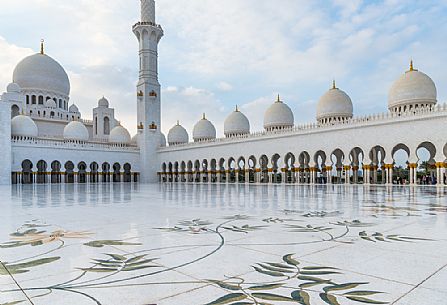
x=223, y=244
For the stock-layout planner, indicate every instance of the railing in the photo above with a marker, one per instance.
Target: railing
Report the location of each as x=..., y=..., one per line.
x=304, y=128
x=61, y=143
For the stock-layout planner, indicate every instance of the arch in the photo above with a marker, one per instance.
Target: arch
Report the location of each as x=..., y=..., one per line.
x=222, y=170
x=241, y=170
x=182, y=171
x=322, y=174
x=41, y=172
x=69, y=172
x=356, y=157
x=304, y=167
x=213, y=168
x=15, y=111
x=105, y=172
x=197, y=171
x=263, y=163
x=252, y=168
x=127, y=172
x=190, y=171
x=82, y=172
x=94, y=172
x=231, y=170
x=116, y=172
x=56, y=172
x=426, y=163
x=400, y=155
x=27, y=172
x=276, y=168
x=106, y=125
x=205, y=175
x=338, y=158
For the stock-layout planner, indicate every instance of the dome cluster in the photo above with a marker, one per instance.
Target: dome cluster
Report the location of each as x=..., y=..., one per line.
x=412, y=90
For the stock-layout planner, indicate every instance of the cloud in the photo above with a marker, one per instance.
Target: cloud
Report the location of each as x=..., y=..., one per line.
x=224, y=86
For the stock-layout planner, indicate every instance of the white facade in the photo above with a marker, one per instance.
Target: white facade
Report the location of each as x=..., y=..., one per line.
x=45, y=139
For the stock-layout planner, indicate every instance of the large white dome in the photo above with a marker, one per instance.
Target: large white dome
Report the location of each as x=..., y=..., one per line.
x=236, y=124
x=334, y=104
x=120, y=135
x=278, y=116
x=203, y=130
x=23, y=126
x=40, y=71
x=412, y=88
x=178, y=135
x=75, y=130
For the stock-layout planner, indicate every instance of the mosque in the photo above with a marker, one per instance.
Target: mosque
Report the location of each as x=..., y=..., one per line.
x=45, y=139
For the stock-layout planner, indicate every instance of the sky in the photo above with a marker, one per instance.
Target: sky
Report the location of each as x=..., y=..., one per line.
x=221, y=53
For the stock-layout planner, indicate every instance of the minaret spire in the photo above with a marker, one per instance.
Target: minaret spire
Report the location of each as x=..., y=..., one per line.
x=148, y=11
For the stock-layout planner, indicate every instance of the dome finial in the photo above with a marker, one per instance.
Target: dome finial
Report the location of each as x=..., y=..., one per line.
x=42, y=41
x=278, y=99
x=237, y=109
x=334, y=86
x=204, y=116
x=411, y=65
x=178, y=123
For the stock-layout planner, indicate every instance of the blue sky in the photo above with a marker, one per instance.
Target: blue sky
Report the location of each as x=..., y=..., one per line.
x=216, y=54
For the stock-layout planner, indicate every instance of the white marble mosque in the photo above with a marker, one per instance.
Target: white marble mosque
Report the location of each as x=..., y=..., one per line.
x=44, y=138
x=312, y=214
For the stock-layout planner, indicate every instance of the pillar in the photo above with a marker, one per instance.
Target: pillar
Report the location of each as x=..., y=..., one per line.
x=328, y=174
x=347, y=170
x=413, y=171
x=440, y=173
x=247, y=175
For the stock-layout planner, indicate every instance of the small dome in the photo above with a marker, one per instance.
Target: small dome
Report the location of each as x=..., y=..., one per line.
x=178, y=135
x=103, y=102
x=23, y=126
x=73, y=109
x=278, y=116
x=334, y=104
x=120, y=135
x=236, y=124
x=50, y=103
x=41, y=72
x=203, y=130
x=412, y=88
x=162, y=140
x=13, y=87
x=75, y=130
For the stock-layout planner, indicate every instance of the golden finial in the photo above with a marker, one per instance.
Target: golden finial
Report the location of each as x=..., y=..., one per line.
x=333, y=84
x=278, y=99
x=237, y=109
x=204, y=117
x=41, y=46
x=411, y=65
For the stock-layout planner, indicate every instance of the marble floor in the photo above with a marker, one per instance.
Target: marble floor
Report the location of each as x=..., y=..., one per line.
x=223, y=244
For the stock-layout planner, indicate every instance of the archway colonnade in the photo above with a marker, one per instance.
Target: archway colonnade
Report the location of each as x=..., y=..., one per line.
x=401, y=164
x=54, y=172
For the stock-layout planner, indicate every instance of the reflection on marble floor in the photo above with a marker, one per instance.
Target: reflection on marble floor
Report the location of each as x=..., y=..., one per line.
x=223, y=244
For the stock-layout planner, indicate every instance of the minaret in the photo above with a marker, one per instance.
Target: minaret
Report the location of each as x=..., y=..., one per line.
x=148, y=34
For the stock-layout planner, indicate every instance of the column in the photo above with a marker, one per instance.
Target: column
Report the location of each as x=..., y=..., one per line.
x=328, y=174
x=347, y=170
x=440, y=174
x=247, y=175
x=366, y=174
